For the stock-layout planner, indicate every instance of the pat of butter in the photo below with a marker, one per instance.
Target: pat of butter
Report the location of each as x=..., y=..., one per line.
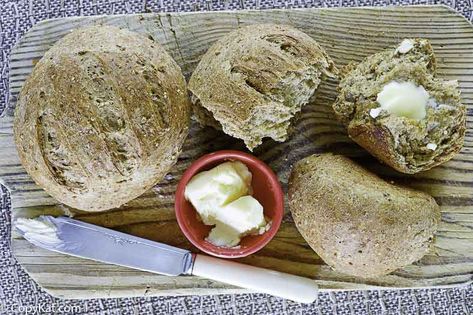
x=404, y=99
x=431, y=146
x=217, y=187
x=39, y=231
x=405, y=46
x=221, y=197
x=223, y=236
x=374, y=112
x=238, y=218
x=244, y=214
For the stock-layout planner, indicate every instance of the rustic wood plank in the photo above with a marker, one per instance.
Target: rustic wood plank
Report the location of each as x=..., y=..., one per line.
x=347, y=34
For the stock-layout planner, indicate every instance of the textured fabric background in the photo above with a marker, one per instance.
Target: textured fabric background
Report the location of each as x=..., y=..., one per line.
x=21, y=295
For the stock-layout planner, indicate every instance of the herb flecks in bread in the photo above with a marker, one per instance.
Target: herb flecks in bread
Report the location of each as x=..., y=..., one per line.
x=255, y=79
x=355, y=221
x=102, y=117
x=407, y=143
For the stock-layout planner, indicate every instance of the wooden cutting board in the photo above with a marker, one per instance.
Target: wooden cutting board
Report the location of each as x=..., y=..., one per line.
x=347, y=34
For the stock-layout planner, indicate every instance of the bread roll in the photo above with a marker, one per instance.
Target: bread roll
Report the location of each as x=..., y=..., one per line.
x=356, y=222
x=102, y=118
x=254, y=80
x=409, y=145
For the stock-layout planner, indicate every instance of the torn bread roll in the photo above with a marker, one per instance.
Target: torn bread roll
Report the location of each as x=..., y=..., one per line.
x=253, y=81
x=395, y=107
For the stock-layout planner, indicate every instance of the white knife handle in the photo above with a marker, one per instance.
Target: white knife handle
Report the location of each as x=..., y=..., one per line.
x=262, y=280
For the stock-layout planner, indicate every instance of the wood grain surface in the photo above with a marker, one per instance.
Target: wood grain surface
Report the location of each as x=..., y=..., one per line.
x=347, y=34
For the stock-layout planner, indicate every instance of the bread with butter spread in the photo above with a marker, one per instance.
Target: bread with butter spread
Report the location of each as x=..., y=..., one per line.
x=400, y=137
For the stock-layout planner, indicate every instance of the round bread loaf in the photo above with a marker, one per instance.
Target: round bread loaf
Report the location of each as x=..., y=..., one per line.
x=254, y=80
x=102, y=118
x=356, y=222
x=406, y=144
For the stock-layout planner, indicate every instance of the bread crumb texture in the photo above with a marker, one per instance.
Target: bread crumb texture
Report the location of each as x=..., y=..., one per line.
x=255, y=79
x=401, y=142
x=102, y=117
x=355, y=221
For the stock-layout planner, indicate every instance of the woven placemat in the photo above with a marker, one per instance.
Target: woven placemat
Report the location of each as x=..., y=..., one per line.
x=19, y=294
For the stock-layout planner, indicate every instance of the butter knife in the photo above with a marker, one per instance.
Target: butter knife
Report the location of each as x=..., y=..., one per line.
x=80, y=239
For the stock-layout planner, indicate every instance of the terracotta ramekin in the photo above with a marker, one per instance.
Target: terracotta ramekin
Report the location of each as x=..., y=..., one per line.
x=266, y=189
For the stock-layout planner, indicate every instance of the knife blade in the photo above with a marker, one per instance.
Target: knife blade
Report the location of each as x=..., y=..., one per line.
x=76, y=238
x=90, y=241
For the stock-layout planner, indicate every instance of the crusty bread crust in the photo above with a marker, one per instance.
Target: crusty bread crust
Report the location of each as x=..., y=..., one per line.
x=102, y=118
x=356, y=222
x=398, y=141
x=255, y=79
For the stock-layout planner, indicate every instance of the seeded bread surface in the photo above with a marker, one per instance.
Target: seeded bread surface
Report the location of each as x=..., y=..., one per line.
x=255, y=79
x=402, y=142
x=102, y=117
x=356, y=222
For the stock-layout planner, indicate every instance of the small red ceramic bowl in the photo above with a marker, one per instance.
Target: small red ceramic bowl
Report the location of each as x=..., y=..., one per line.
x=266, y=189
